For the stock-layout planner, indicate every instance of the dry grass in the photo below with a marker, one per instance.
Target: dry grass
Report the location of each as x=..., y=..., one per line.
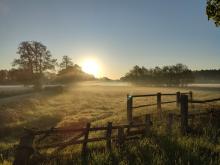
x=74, y=107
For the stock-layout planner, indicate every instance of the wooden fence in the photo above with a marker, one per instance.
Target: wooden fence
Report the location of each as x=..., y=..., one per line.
x=158, y=104
x=113, y=133
x=184, y=112
x=116, y=134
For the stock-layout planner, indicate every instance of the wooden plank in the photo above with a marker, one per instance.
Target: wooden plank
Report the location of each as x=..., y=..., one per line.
x=168, y=94
x=108, y=136
x=148, y=124
x=129, y=108
x=146, y=105
x=168, y=102
x=205, y=101
x=25, y=149
x=121, y=136
x=169, y=123
x=159, y=105
x=177, y=99
x=84, y=146
x=184, y=113
x=149, y=95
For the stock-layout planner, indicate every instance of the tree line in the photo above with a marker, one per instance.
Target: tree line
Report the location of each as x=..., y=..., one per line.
x=36, y=65
x=172, y=75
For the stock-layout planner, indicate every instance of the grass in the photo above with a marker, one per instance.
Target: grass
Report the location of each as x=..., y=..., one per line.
x=99, y=104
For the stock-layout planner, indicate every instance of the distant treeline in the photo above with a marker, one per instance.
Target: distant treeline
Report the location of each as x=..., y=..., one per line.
x=172, y=75
x=207, y=76
x=35, y=65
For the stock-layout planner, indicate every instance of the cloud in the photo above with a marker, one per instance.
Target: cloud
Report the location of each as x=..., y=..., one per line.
x=4, y=8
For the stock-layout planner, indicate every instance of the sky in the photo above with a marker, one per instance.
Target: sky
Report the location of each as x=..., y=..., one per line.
x=118, y=34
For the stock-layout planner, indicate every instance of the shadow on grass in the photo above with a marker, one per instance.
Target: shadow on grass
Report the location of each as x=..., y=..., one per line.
x=14, y=132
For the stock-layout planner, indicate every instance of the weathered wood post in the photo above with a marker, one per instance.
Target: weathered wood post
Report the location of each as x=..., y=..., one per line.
x=84, y=146
x=169, y=123
x=148, y=124
x=129, y=108
x=108, y=136
x=121, y=136
x=191, y=98
x=25, y=149
x=177, y=99
x=159, y=105
x=184, y=113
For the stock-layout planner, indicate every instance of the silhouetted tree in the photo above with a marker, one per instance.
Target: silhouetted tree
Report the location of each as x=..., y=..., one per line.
x=34, y=58
x=66, y=62
x=213, y=11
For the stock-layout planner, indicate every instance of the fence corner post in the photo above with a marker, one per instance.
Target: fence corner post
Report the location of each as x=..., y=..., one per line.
x=25, y=149
x=169, y=123
x=148, y=124
x=177, y=99
x=184, y=113
x=84, y=153
x=108, y=136
x=191, y=98
x=129, y=108
x=159, y=105
x=121, y=136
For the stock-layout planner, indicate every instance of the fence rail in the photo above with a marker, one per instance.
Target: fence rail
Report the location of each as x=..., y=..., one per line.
x=184, y=112
x=205, y=101
x=113, y=133
x=159, y=102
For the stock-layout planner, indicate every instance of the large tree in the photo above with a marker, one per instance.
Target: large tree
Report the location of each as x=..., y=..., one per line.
x=213, y=11
x=66, y=62
x=35, y=58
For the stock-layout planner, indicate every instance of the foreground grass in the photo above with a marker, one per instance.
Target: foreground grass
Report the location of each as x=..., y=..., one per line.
x=100, y=104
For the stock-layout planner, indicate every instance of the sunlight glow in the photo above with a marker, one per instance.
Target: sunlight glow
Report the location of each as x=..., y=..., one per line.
x=91, y=67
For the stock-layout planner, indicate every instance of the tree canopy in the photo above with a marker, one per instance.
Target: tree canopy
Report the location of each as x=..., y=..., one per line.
x=213, y=11
x=34, y=59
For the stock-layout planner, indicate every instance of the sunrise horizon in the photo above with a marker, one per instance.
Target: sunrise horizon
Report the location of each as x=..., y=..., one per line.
x=118, y=35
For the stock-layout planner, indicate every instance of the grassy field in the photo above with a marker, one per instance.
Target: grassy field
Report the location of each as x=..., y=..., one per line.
x=100, y=103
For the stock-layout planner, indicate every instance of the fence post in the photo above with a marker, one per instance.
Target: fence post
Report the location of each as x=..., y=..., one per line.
x=191, y=98
x=108, y=136
x=177, y=99
x=25, y=149
x=84, y=147
x=129, y=108
x=159, y=104
x=169, y=123
x=148, y=123
x=121, y=136
x=184, y=113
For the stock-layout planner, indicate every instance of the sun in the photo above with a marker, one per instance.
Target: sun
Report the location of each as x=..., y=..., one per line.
x=91, y=67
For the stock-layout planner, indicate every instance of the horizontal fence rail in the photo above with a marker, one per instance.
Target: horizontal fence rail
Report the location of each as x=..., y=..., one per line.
x=113, y=133
x=158, y=104
x=205, y=101
x=110, y=134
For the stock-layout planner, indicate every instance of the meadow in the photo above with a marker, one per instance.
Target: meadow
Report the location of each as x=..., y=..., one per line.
x=99, y=103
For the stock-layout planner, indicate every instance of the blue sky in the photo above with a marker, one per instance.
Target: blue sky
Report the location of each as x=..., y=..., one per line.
x=117, y=33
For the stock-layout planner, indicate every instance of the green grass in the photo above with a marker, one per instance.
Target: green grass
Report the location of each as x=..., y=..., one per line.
x=100, y=104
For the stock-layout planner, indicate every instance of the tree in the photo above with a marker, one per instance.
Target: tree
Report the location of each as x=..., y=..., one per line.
x=66, y=62
x=35, y=58
x=213, y=11
x=3, y=75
